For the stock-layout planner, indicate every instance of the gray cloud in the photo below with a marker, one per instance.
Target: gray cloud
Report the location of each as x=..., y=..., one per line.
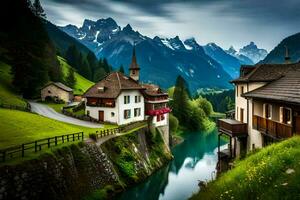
x=225, y=22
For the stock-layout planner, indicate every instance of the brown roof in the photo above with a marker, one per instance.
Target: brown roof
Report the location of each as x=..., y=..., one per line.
x=113, y=84
x=153, y=90
x=60, y=85
x=267, y=72
x=285, y=89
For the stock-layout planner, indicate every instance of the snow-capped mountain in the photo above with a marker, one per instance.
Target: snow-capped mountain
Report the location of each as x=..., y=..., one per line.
x=253, y=52
x=244, y=60
x=229, y=61
x=161, y=59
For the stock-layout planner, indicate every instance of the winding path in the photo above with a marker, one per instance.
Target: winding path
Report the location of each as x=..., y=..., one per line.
x=46, y=111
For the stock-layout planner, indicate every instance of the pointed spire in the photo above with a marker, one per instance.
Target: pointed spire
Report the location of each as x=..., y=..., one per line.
x=134, y=69
x=287, y=58
x=134, y=64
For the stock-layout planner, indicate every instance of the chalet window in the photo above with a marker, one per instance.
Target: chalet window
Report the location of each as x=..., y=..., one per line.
x=49, y=91
x=285, y=115
x=137, y=112
x=137, y=99
x=242, y=90
x=127, y=114
x=112, y=114
x=267, y=111
x=237, y=91
x=158, y=118
x=126, y=99
x=88, y=113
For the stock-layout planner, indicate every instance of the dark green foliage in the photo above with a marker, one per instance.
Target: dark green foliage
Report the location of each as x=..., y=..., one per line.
x=173, y=123
x=122, y=69
x=205, y=106
x=37, y=9
x=84, y=67
x=103, y=68
x=72, y=56
x=221, y=102
x=28, y=48
x=93, y=62
x=70, y=79
x=181, y=107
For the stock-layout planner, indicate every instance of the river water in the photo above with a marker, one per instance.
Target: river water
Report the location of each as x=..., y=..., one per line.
x=195, y=159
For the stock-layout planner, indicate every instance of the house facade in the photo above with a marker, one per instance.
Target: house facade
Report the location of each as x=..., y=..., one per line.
x=121, y=100
x=57, y=91
x=267, y=107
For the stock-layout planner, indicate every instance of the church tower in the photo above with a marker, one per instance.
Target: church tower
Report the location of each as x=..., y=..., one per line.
x=134, y=69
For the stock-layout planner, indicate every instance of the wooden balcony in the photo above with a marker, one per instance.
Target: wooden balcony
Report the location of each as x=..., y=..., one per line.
x=232, y=127
x=272, y=128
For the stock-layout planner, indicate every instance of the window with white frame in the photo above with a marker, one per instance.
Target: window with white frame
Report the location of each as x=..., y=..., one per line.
x=137, y=112
x=127, y=114
x=126, y=99
x=268, y=111
x=285, y=115
x=137, y=99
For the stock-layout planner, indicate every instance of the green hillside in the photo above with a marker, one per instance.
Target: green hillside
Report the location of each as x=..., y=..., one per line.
x=7, y=92
x=272, y=173
x=82, y=84
x=20, y=127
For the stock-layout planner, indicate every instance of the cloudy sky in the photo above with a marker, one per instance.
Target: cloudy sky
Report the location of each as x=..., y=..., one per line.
x=225, y=22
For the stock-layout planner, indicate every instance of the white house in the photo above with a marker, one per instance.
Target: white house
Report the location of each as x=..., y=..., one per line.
x=116, y=99
x=120, y=99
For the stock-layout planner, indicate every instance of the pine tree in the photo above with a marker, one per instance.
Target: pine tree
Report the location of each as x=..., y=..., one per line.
x=106, y=66
x=84, y=68
x=92, y=60
x=121, y=69
x=181, y=108
x=38, y=9
x=72, y=56
x=70, y=79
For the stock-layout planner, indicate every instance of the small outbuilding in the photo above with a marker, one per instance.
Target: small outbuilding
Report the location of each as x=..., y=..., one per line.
x=57, y=91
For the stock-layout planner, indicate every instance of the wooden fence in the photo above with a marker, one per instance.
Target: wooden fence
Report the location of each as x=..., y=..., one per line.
x=103, y=133
x=38, y=145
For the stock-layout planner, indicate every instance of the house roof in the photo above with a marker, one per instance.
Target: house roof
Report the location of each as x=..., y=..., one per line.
x=285, y=89
x=267, y=72
x=112, y=85
x=153, y=90
x=60, y=85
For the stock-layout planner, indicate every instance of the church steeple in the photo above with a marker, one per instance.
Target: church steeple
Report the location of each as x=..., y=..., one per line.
x=134, y=69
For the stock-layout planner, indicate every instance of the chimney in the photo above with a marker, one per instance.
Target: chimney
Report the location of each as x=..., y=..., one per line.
x=287, y=58
x=134, y=69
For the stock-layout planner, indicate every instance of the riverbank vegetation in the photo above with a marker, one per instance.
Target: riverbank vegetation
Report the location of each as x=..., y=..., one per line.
x=192, y=113
x=222, y=101
x=271, y=173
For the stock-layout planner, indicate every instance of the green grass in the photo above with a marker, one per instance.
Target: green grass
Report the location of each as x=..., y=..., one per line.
x=56, y=106
x=7, y=92
x=18, y=127
x=82, y=84
x=261, y=175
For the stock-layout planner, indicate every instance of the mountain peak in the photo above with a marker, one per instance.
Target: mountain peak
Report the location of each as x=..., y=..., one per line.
x=253, y=52
x=231, y=50
x=127, y=28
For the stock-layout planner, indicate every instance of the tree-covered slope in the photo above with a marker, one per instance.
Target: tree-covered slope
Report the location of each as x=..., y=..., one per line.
x=8, y=95
x=272, y=173
x=82, y=84
x=278, y=53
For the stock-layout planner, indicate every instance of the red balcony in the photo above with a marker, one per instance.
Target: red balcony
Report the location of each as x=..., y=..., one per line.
x=158, y=111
